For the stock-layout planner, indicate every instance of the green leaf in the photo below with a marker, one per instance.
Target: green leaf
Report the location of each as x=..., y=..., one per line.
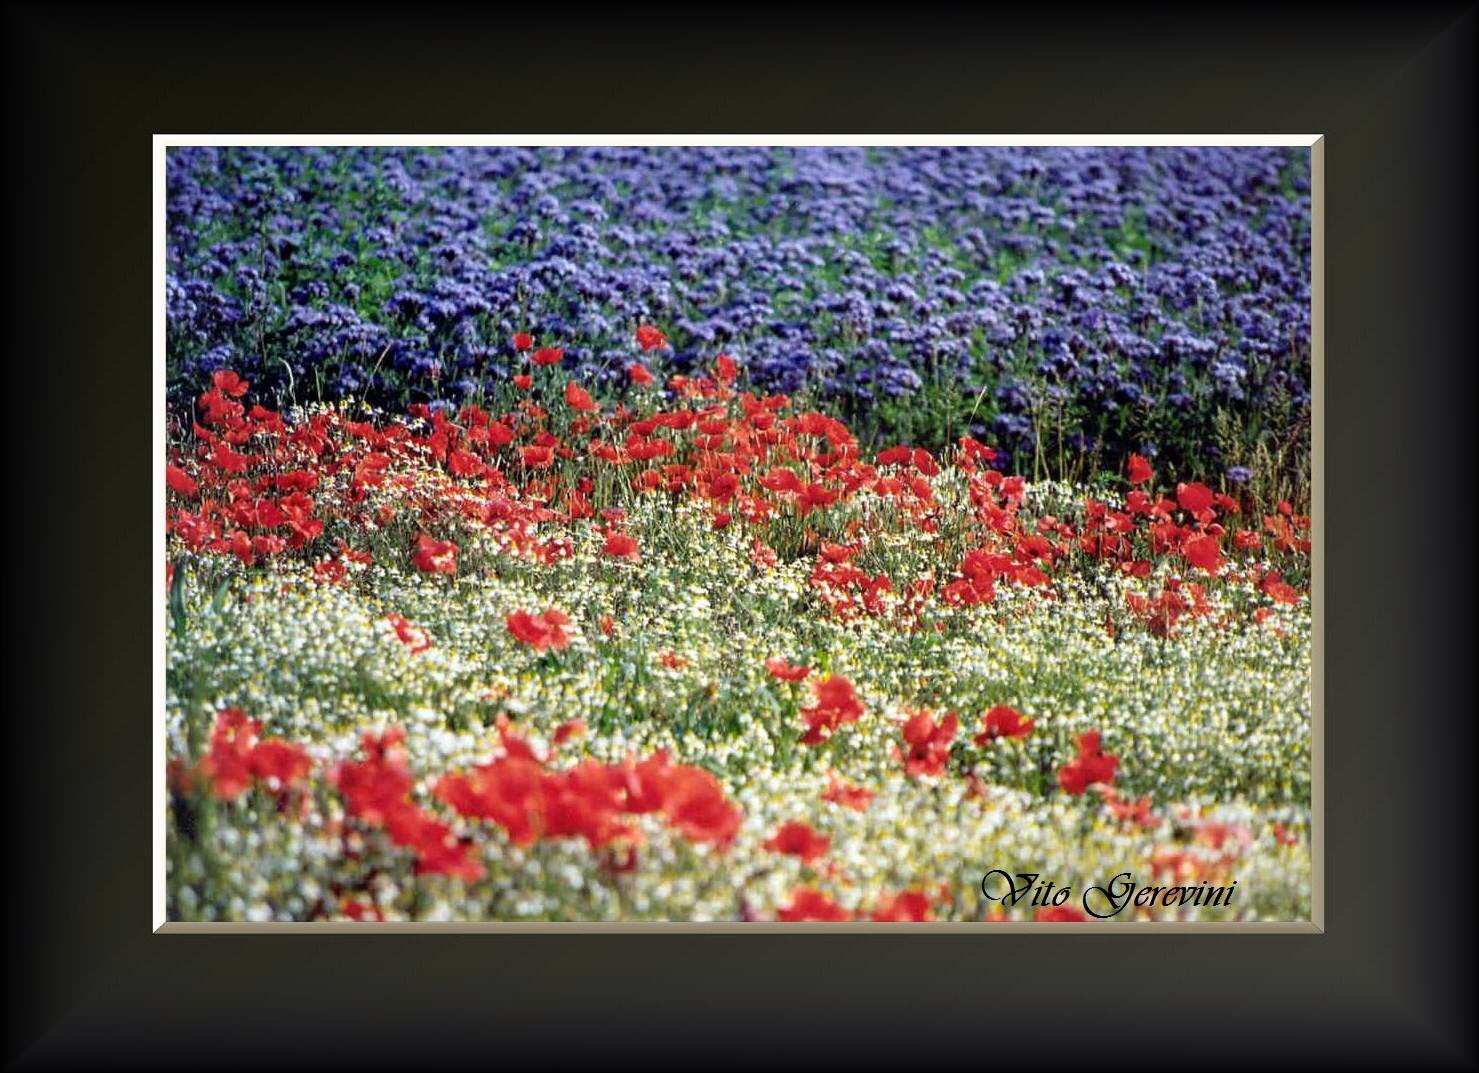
x=218, y=602
x=177, y=599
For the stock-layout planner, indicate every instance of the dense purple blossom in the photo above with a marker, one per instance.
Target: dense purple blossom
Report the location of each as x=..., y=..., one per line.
x=1127, y=295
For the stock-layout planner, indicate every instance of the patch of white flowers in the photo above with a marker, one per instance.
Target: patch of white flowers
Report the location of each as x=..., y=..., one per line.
x=1215, y=718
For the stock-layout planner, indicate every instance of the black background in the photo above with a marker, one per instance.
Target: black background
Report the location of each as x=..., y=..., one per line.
x=1392, y=980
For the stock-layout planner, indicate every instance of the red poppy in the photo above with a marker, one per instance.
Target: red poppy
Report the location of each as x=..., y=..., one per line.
x=974, y=449
x=1139, y=470
x=276, y=761
x=573, y=728
x=857, y=798
x=1092, y=766
x=522, y=341
x=348, y=554
x=836, y=553
x=223, y=457
x=541, y=632
x=462, y=463
x=779, y=668
x=1203, y=552
x=523, y=381
x=578, y=398
x=693, y=801
x=909, y=905
x=638, y=374
x=435, y=556
x=537, y=456
x=1161, y=612
x=550, y=355
x=1135, y=813
x=813, y=496
x=808, y=903
x=649, y=338
x=836, y=703
x=413, y=637
x=374, y=787
x=358, y=910
x=1280, y=591
x=722, y=487
x=229, y=383
x=179, y=481
x=1004, y=722
x=799, y=840
x=1194, y=498
x=225, y=764
x=780, y=479
x=329, y=572
x=1247, y=539
x=928, y=743
x=510, y=791
x=621, y=546
x=1060, y=914
x=762, y=555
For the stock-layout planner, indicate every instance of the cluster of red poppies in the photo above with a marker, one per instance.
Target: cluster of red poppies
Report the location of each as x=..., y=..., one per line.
x=377, y=792
x=913, y=905
x=243, y=489
x=239, y=757
x=543, y=632
x=591, y=800
x=516, y=790
x=927, y=743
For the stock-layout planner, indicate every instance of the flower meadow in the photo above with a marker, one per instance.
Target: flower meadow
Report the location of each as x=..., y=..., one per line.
x=758, y=535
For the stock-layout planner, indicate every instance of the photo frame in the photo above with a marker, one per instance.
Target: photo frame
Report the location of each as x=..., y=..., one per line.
x=1389, y=982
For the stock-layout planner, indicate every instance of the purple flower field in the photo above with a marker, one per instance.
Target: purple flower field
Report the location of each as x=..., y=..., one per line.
x=1069, y=305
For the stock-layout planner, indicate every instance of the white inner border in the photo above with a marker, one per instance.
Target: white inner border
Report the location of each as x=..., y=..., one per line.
x=165, y=141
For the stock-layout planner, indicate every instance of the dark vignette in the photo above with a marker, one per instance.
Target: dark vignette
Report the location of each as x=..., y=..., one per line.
x=1390, y=982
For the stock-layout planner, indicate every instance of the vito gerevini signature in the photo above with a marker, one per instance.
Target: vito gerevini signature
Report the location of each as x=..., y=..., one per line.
x=1109, y=900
